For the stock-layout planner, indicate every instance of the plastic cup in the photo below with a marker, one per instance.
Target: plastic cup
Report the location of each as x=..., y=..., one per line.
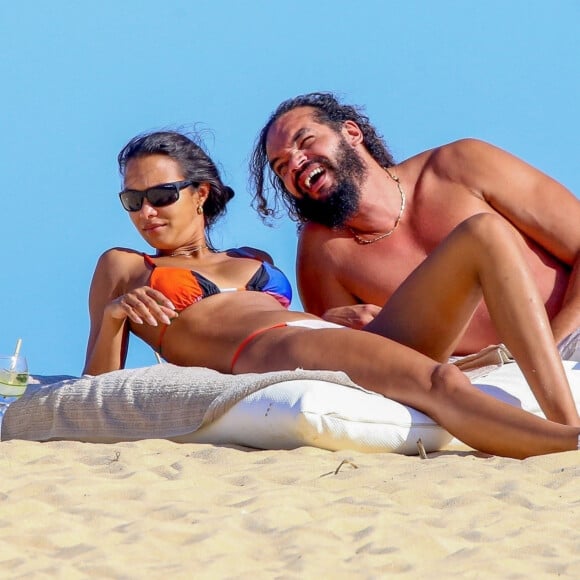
x=13, y=375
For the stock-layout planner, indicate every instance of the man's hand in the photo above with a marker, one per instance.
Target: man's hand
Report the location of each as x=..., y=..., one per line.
x=354, y=316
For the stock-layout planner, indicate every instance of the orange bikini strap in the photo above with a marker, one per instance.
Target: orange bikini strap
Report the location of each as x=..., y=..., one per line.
x=248, y=339
x=162, y=332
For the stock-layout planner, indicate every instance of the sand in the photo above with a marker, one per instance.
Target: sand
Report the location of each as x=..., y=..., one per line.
x=156, y=509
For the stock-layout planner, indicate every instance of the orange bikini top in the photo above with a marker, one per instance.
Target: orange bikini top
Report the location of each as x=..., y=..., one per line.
x=186, y=287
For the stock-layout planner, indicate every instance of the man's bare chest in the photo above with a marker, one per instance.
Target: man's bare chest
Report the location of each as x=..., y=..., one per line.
x=372, y=274
x=374, y=271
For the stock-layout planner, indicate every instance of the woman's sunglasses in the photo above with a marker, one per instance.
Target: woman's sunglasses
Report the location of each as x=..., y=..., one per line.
x=158, y=196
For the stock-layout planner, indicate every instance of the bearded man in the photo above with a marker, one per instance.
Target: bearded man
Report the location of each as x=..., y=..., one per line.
x=366, y=222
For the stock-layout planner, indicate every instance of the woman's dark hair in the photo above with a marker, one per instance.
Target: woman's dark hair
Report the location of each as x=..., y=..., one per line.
x=195, y=163
x=327, y=110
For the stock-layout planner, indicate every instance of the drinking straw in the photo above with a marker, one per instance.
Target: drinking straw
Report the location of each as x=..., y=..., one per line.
x=18, y=345
x=16, y=353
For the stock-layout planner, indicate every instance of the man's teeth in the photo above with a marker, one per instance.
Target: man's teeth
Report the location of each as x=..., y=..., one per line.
x=311, y=175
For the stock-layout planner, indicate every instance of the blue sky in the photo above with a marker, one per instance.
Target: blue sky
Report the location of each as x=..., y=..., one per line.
x=79, y=79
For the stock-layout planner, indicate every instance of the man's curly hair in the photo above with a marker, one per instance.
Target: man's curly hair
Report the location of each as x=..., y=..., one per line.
x=327, y=110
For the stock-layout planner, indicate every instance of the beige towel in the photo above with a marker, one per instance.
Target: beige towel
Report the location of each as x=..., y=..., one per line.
x=483, y=362
x=160, y=401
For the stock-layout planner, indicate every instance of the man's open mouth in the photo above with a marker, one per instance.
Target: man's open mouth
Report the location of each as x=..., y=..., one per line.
x=313, y=177
x=309, y=180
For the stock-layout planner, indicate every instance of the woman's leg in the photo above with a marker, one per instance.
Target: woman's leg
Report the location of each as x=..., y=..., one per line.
x=441, y=391
x=431, y=309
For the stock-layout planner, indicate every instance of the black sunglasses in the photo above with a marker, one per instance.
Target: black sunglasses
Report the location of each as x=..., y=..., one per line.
x=158, y=196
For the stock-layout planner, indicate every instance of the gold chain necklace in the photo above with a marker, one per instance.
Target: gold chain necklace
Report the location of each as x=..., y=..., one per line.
x=185, y=252
x=364, y=242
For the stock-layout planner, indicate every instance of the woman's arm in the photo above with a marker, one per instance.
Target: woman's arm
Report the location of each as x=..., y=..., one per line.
x=113, y=303
x=109, y=334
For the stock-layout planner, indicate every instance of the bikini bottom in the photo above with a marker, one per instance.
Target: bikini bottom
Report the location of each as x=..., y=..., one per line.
x=312, y=323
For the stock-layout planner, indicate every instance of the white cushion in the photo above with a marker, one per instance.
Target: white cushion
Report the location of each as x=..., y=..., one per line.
x=283, y=415
x=319, y=414
x=296, y=413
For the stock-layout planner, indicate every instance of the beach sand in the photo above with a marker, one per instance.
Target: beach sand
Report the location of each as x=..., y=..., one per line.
x=157, y=509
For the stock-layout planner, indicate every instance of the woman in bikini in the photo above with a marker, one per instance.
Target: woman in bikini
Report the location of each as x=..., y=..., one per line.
x=228, y=310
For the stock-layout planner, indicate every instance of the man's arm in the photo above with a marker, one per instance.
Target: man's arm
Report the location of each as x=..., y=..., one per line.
x=537, y=205
x=318, y=277
x=568, y=319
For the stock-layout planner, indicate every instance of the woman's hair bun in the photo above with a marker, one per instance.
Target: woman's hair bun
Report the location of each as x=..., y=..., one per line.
x=229, y=192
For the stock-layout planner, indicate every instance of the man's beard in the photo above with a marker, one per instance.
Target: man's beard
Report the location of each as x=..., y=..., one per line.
x=342, y=202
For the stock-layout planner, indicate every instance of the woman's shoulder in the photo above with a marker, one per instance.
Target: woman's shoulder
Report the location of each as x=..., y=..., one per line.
x=248, y=252
x=119, y=257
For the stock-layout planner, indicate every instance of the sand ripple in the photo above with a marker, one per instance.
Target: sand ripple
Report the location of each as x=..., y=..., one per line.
x=154, y=508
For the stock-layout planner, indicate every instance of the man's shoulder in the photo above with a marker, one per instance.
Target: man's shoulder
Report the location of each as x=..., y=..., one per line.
x=315, y=231
x=462, y=161
x=460, y=150
x=311, y=228
x=321, y=246
x=444, y=160
x=326, y=241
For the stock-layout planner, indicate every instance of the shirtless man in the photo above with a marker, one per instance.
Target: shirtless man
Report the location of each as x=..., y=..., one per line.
x=367, y=222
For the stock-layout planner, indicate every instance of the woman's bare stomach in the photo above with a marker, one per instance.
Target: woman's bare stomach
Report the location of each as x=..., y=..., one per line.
x=209, y=332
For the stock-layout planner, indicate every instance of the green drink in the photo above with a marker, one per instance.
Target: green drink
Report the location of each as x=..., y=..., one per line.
x=13, y=376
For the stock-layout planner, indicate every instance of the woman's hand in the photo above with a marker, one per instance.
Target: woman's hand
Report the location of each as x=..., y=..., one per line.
x=142, y=305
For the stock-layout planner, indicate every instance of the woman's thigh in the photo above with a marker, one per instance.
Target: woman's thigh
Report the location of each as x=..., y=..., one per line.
x=371, y=361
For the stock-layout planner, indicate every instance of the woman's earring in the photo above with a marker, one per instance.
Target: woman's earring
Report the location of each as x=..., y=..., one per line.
x=200, y=209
